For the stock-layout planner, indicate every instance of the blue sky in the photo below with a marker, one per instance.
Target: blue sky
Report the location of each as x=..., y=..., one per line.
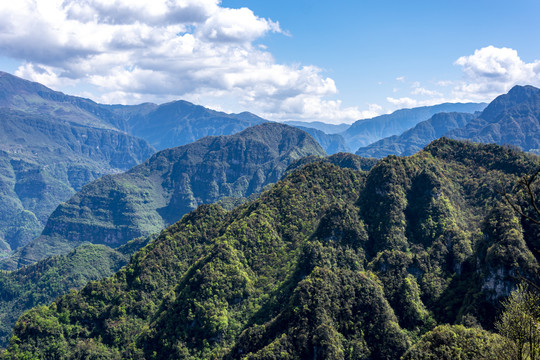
x=335, y=61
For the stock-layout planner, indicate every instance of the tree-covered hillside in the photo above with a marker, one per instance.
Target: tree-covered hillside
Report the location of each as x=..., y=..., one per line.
x=144, y=200
x=329, y=263
x=43, y=282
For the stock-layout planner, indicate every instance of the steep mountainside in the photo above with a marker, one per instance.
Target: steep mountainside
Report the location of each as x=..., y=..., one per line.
x=117, y=208
x=414, y=140
x=180, y=122
x=329, y=263
x=513, y=118
x=50, y=145
x=331, y=143
x=365, y=132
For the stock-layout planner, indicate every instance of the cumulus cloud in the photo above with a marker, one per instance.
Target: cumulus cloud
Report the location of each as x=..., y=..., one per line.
x=419, y=90
x=487, y=73
x=491, y=71
x=408, y=102
x=135, y=50
x=419, y=96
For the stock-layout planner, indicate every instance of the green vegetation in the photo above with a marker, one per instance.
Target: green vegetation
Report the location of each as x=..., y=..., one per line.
x=450, y=342
x=42, y=282
x=117, y=208
x=519, y=323
x=330, y=262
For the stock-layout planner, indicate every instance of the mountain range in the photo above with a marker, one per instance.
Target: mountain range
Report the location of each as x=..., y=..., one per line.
x=415, y=139
x=117, y=208
x=180, y=122
x=511, y=119
x=344, y=257
x=321, y=126
x=365, y=132
x=330, y=262
x=51, y=145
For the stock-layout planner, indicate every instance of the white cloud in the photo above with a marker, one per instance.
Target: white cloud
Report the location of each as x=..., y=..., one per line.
x=135, y=50
x=487, y=73
x=236, y=25
x=372, y=111
x=407, y=102
x=491, y=71
x=419, y=90
x=400, y=78
x=403, y=102
x=445, y=83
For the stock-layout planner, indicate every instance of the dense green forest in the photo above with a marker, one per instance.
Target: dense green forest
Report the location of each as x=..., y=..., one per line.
x=331, y=262
x=43, y=282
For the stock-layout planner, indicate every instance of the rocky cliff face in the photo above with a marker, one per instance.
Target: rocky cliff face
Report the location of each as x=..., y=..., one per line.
x=44, y=161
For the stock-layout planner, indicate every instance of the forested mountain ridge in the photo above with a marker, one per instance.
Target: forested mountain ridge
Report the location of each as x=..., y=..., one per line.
x=117, y=208
x=43, y=282
x=328, y=263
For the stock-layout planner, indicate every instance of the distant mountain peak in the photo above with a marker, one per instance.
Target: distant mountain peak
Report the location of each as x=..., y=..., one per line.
x=517, y=95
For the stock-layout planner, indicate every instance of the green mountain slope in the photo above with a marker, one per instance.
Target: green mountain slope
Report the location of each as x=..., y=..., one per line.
x=144, y=200
x=329, y=263
x=365, y=132
x=414, y=140
x=512, y=118
x=43, y=282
